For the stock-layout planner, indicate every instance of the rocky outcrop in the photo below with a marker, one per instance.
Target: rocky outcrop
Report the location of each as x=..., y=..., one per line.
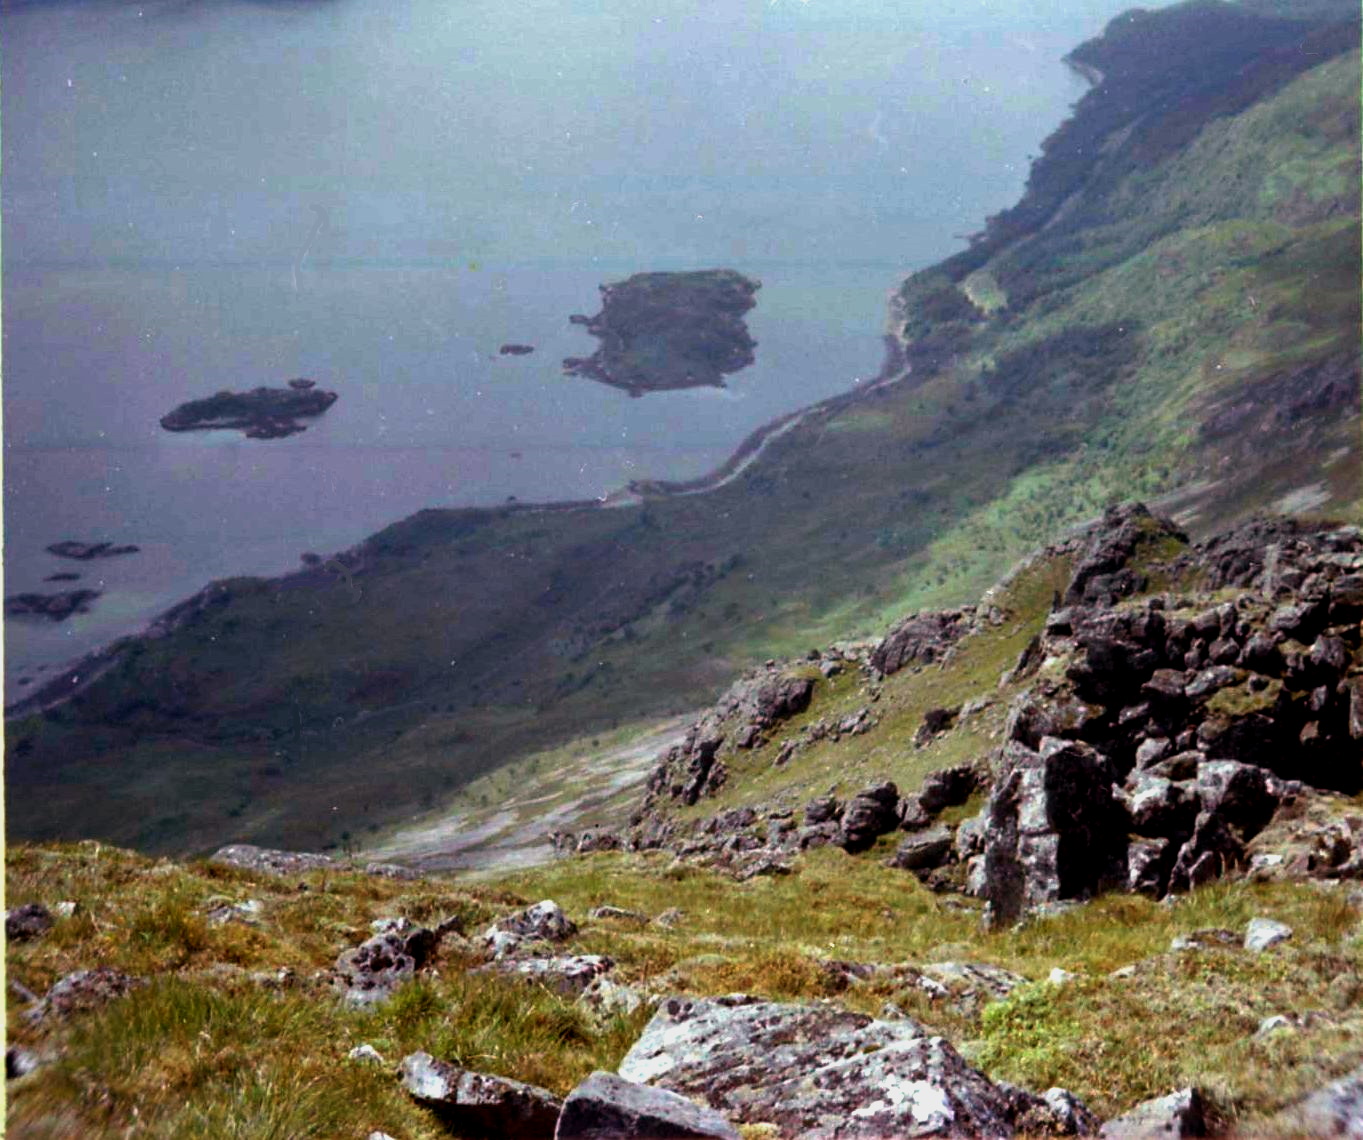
x=1335, y=1110
x=479, y=1104
x=1055, y=829
x=922, y=639
x=608, y=1107
x=817, y=1071
x=1197, y=720
x=571, y=975
x=248, y=857
x=751, y=707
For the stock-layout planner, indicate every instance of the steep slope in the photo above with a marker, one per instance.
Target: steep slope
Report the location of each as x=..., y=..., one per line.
x=1172, y=310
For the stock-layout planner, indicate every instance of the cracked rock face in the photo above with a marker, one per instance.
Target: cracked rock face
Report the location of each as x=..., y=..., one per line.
x=480, y=1104
x=607, y=1107
x=816, y=1071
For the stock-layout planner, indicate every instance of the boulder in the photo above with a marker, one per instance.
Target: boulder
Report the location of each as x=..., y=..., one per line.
x=869, y=815
x=373, y=970
x=543, y=922
x=947, y=787
x=1159, y=807
x=920, y=639
x=608, y=1107
x=825, y=809
x=570, y=975
x=1240, y=795
x=1261, y=933
x=923, y=850
x=1335, y=1110
x=32, y=920
x=1212, y=851
x=816, y=1071
x=1055, y=830
x=477, y=1103
x=1179, y=1114
x=82, y=991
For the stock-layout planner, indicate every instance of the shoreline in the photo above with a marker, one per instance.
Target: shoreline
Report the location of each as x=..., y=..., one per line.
x=71, y=679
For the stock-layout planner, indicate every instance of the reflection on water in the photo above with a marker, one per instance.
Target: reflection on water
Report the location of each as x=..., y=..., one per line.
x=377, y=196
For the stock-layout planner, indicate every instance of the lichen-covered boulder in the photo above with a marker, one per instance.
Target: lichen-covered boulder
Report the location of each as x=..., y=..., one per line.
x=817, y=1071
x=478, y=1103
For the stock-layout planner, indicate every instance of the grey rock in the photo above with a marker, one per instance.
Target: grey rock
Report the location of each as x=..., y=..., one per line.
x=371, y=971
x=1271, y=1025
x=1056, y=832
x=543, y=922
x=920, y=639
x=247, y=912
x=1074, y=1116
x=248, y=857
x=365, y=1054
x=816, y=1072
x=947, y=787
x=1205, y=939
x=609, y=998
x=869, y=815
x=19, y=1062
x=1147, y=864
x=1159, y=807
x=570, y=975
x=619, y=913
x=1179, y=1114
x=608, y=1107
x=923, y=850
x=32, y=920
x=1335, y=1110
x=480, y=1103
x=1261, y=933
x=82, y=991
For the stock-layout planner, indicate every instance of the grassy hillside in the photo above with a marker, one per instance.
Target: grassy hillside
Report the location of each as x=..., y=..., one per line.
x=238, y=1034
x=1172, y=310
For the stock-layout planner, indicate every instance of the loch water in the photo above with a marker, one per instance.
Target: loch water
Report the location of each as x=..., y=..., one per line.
x=376, y=194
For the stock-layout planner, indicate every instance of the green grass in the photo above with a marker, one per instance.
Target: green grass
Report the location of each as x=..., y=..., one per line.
x=208, y=1050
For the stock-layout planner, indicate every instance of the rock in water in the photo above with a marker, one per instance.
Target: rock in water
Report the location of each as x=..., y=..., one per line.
x=262, y=413
x=661, y=331
x=607, y=1107
x=480, y=1104
x=818, y=1072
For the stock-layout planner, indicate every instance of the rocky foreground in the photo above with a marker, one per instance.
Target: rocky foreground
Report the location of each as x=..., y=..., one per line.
x=1163, y=832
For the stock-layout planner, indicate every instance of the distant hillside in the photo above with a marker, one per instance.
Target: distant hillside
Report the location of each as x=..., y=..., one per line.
x=1172, y=310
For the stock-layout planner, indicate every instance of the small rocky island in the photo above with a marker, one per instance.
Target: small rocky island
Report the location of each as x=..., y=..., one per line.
x=262, y=413
x=516, y=350
x=662, y=331
x=54, y=607
x=85, y=551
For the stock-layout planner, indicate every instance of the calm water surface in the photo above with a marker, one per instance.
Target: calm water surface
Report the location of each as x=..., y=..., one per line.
x=201, y=195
